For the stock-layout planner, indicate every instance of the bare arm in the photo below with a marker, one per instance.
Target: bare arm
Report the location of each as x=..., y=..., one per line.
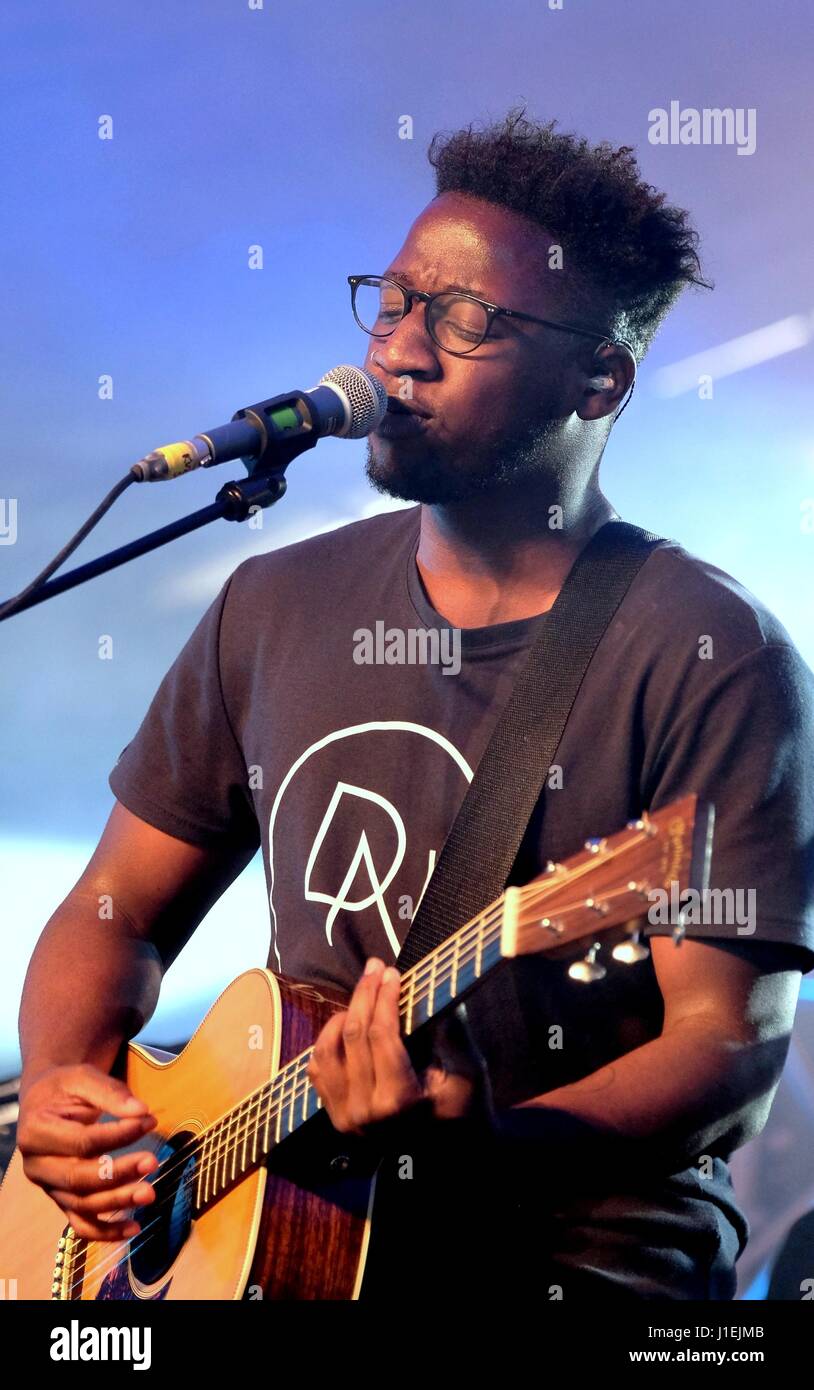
x=92, y=983
x=706, y=1084
x=95, y=974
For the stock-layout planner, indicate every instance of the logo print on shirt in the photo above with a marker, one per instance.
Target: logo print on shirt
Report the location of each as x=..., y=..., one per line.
x=361, y=863
x=363, y=855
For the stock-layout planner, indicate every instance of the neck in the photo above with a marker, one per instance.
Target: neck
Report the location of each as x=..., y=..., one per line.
x=492, y=560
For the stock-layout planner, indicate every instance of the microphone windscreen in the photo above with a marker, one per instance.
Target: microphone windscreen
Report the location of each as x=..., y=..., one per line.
x=366, y=398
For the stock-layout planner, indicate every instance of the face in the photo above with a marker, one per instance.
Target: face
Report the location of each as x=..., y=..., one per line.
x=505, y=412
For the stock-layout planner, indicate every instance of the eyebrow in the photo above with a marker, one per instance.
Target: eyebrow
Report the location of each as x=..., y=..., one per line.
x=462, y=289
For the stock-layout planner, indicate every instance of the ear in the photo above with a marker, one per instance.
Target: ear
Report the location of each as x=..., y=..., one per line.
x=610, y=375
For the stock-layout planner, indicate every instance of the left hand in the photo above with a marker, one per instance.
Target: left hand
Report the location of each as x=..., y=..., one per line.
x=363, y=1073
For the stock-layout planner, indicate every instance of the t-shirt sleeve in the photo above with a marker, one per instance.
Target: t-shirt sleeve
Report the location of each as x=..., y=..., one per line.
x=184, y=771
x=746, y=743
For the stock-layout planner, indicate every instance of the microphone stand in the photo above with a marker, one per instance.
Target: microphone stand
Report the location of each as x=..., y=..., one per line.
x=264, y=486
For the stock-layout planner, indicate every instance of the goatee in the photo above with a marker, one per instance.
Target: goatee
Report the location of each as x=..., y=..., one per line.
x=419, y=474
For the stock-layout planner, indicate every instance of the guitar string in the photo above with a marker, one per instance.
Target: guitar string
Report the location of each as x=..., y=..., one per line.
x=127, y=1249
x=241, y=1127
x=535, y=890
x=453, y=948
x=117, y=1257
x=291, y=1073
x=289, y=1094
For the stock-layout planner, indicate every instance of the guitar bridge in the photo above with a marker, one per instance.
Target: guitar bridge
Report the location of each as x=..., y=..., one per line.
x=70, y=1253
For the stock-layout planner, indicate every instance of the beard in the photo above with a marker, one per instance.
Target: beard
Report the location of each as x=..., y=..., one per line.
x=422, y=472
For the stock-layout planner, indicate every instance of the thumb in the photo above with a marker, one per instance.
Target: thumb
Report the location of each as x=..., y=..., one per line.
x=432, y=1079
x=454, y=1048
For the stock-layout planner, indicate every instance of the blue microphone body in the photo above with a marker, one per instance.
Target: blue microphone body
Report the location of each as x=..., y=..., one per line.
x=348, y=402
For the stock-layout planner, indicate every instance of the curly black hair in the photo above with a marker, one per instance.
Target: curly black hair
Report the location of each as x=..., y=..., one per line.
x=627, y=254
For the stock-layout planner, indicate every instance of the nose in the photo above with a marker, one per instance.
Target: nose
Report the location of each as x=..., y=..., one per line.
x=409, y=349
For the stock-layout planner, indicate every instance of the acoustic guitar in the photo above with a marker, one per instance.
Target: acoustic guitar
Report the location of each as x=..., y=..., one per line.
x=257, y=1195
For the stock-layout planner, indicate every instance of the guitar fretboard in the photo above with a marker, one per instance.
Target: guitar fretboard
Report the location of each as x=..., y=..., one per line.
x=244, y=1137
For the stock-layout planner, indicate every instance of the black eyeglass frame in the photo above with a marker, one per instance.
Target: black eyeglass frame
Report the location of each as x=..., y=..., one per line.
x=493, y=311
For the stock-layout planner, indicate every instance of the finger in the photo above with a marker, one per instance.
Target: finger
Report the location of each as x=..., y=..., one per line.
x=396, y=1083
x=120, y=1231
x=46, y=1132
x=326, y=1068
x=81, y=1176
x=111, y=1202
x=104, y=1092
x=360, y=1075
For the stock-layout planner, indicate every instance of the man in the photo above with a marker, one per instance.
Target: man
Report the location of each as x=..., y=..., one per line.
x=590, y=1157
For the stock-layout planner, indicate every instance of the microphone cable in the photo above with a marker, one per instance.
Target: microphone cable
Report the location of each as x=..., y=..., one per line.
x=10, y=605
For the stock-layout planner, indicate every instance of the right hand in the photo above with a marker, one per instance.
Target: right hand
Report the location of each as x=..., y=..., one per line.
x=62, y=1140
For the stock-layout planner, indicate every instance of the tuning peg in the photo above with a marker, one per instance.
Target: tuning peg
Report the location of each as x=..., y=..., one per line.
x=643, y=823
x=628, y=952
x=588, y=970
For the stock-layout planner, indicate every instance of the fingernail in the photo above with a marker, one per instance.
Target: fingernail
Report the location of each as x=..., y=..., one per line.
x=134, y=1105
x=372, y=965
x=391, y=973
x=145, y=1165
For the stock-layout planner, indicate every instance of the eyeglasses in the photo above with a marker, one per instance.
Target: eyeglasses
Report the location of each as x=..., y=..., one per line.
x=456, y=322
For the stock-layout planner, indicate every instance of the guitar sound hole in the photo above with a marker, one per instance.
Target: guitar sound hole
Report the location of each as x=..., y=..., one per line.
x=165, y=1223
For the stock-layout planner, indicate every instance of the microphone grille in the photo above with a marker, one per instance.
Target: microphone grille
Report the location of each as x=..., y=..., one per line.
x=365, y=395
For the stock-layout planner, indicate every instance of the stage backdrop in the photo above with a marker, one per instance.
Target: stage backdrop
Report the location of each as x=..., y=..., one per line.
x=187, y=188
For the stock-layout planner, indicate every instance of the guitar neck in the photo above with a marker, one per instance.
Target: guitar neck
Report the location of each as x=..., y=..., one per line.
x=246, y=1135
x=607, y=884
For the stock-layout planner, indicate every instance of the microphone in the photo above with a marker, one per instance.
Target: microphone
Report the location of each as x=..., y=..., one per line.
x=347, y=402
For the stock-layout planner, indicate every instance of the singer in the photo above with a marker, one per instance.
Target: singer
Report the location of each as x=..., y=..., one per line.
x=563, y=1139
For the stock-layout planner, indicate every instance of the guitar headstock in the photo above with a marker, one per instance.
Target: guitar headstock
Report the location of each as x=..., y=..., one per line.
x=611, y=883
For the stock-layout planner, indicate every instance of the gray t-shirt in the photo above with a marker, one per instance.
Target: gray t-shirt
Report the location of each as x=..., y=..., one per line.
x=271, y=730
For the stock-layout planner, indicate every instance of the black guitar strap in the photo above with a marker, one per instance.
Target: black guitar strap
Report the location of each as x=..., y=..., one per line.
x=481, y=847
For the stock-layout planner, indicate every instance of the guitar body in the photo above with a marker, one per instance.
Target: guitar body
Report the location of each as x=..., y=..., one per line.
x=268, y=1236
